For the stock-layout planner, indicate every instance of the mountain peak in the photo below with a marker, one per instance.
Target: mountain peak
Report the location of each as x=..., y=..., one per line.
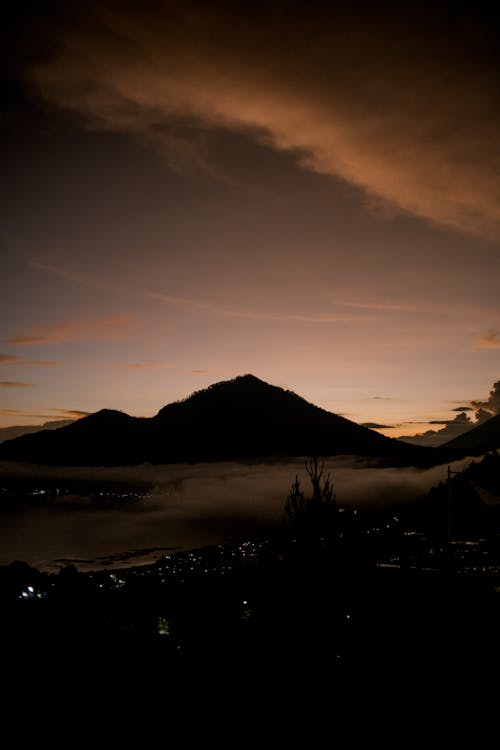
x=240, y=418
x=248, y=378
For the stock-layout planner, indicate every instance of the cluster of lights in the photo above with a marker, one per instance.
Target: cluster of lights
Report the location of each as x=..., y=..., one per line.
x=31, y=593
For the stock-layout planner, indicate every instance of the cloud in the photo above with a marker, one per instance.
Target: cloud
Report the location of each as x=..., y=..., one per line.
x=492, y=403
x=14, y=384
x=461, y=418
x=74, y=413
x=490, y=339
x=484, y=410
x=375, y=426
x=187, y=505
x=202, y=306
x=403, y=106
x=105, y=329
x=197, y=305
x=452, y=428
x=21, y=413
x=148, y=364
x=12, y=359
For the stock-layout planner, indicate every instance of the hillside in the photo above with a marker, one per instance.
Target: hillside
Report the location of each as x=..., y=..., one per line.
x=485, y=437
x=235, y=419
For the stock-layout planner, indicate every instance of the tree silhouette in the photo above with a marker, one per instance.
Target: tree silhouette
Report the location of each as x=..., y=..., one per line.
x=315, y=517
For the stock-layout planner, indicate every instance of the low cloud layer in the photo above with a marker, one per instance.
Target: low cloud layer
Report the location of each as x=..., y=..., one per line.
x=452, y=428
x=189, y=506
x=403, y=106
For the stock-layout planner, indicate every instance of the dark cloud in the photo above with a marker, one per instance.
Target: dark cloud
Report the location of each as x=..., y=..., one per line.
x=375, y=426
x=433, y=438
x=482, y=415
x=402, y=105
x=463, y=408
x=14, y=384
x=492, y=403
x=461, y=418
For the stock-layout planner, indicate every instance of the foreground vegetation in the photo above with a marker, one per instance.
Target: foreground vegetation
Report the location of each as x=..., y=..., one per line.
x=336, y=588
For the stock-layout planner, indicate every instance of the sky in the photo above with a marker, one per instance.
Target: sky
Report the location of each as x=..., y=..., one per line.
x=193, y=191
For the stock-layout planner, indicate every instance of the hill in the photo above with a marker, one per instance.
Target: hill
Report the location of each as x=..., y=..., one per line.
x=235, y=419
x=481, y=439
x=9, y=433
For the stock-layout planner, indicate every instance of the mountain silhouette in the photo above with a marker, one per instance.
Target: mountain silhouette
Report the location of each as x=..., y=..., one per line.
x=235, y=419
x=481, y=439
x=9, y=433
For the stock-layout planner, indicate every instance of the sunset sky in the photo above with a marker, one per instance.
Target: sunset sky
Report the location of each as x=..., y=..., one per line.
x=197, y=190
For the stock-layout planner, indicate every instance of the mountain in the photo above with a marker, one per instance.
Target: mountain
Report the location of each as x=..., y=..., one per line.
x=9, y=433
x=481, y=439
x=235, y=419
x=471, y=504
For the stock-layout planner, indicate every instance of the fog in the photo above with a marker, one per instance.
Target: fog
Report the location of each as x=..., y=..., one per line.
x=187, y=506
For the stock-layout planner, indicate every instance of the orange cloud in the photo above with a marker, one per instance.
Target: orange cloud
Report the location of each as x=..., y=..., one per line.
x=14, y=384
x=12, y=359
x=402, y=109
x=73, y=413
x=490, y=339
x=106, y=329
x=149, y=364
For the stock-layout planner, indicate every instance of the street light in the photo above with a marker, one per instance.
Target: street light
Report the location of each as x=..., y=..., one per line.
x=450, y=472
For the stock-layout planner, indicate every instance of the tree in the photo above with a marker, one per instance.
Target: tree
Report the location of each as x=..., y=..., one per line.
x=313, y=518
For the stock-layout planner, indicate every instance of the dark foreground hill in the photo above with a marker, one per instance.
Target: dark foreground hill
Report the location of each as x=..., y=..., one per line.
x=481, y=439
x=235, y=419
x=9, y=433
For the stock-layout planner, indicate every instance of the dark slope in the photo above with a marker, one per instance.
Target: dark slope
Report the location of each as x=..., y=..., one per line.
x=248, y=417
x=475, y=503
x=485, y=437
x=9, y=433
x=105, y=438
x=240, y=418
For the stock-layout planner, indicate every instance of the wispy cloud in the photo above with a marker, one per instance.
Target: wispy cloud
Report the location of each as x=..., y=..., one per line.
x=114, y=328
x=490, y=339
x=195, y=305
x=201, y=306
x=10, y=359
x=4, y=412
x=147, y=364
x=412, y=123
x=13, y=359
x=74, y=413
x=49, y=413
x=14, y=384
